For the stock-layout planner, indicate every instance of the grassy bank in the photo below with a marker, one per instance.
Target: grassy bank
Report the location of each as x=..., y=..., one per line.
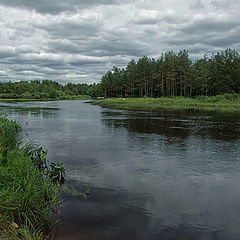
x=28, y=194
x=226, y=102
x=80, y=97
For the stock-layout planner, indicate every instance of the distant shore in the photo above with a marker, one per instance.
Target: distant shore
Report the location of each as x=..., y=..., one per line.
x=226, y=102
x=45, y=99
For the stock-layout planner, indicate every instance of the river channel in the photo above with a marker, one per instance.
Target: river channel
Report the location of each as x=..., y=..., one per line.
x=165, y=175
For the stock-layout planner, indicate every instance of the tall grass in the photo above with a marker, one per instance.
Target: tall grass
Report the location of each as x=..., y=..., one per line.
x=10, y=137
x=28, y=197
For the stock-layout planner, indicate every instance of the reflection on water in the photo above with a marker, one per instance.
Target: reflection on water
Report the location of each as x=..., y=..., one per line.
x=27, y=108
x=152, y=175
x=180, y=124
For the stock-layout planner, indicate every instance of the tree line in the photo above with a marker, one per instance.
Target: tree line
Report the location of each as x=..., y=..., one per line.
x=171, y=74
x=175, y=74
x=46, y=89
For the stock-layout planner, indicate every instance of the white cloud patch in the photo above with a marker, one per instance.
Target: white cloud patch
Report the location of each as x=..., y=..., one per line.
x=78, y=41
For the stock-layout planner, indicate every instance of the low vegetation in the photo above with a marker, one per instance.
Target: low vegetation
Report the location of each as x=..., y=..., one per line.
x=29, y=187
x=44, y=90
x=226, y=102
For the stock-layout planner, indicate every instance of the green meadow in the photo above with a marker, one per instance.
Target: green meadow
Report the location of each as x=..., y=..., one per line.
x=226, y=102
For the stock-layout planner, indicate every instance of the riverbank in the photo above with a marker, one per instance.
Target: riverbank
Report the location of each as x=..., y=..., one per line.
x=226, y=102
x=82, y=97
x=28, y=196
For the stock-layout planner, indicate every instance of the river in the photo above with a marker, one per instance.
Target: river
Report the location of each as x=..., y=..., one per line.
x=166, y=175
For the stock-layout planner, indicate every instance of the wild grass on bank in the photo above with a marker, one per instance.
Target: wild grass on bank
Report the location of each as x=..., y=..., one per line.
x=226, y=102
x=28, y=187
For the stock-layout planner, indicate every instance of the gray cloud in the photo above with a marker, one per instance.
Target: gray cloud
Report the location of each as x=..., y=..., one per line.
x=5, y=53
x=77, y=41
x=225, y=41
x=208, y=25
x=196, y=5
x=225, y=4
x=213, y=32
x=55, y=6
x=71, y=29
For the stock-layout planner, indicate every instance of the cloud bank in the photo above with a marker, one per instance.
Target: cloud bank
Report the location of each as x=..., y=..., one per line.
x=77, y=41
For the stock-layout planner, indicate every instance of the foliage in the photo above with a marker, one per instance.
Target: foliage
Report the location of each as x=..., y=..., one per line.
x=45, y=89
x=175, y=74
x=37, y=154
x=55, y=172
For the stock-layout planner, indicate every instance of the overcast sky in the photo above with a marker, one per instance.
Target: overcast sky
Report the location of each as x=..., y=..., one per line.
x=78, y=40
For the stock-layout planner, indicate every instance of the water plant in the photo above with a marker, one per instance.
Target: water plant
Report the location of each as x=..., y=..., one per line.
x=54, y=171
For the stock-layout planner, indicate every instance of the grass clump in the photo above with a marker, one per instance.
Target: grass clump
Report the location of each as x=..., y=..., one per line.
x=9, y=137
x=28, y=187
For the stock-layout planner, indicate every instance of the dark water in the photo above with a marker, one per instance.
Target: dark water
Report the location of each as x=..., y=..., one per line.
x=168, y=175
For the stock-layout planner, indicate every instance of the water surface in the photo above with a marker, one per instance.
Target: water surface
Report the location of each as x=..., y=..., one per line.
x=166, y=175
